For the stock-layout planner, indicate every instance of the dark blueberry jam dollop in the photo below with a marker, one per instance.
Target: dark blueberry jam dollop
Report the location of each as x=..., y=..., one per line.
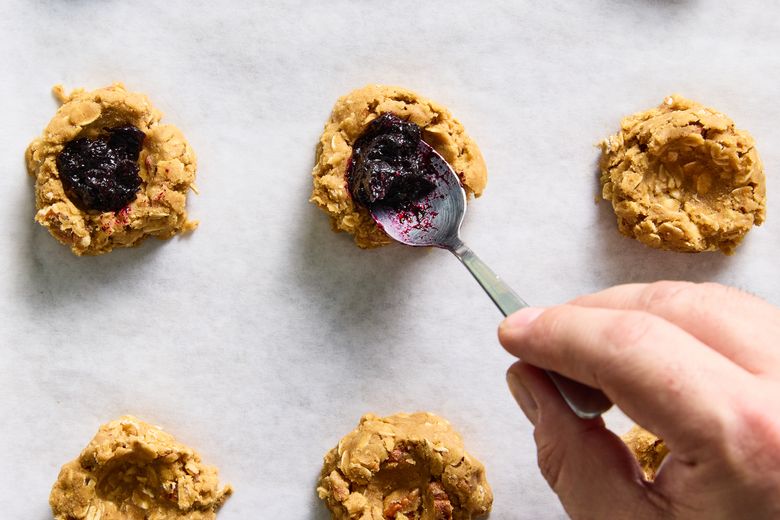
x=390, y=164
x=102, y=173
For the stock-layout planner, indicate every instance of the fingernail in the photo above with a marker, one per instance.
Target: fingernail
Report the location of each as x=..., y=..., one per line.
x=522, y=317
x=523, y=397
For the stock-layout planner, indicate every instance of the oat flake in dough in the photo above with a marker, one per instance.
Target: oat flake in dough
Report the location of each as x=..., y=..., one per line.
x=167, y=170
x=682, y=177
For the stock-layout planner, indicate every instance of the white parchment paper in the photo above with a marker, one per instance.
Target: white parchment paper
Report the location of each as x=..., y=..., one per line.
x=261, y=338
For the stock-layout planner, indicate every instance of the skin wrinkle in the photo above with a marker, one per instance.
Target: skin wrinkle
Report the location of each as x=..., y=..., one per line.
x=658, y=501
x=659, y=295
x=549, y=459
x=757, y=431
x=664, y=295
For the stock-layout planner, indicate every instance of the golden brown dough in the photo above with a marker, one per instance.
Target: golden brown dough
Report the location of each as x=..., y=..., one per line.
x=349, y=118
x=682, y=177
x=403, y=467
x=648, y=449
x=167, y=170
x=132, y=470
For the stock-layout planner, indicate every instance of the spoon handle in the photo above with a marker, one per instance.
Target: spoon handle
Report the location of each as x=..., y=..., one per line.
x=585, y=401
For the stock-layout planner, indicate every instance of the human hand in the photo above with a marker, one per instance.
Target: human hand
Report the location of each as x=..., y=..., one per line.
x=696, y=364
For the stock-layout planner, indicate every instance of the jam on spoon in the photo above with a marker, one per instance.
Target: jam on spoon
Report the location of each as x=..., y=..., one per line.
x=390, y=164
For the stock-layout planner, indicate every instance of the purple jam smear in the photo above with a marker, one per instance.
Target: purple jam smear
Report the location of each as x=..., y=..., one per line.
x=390, y=164
x=102, y=174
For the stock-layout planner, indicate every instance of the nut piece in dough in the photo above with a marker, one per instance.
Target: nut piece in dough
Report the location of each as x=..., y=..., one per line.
x=648, y=449
x=349, y=118
x=166, y=167
x=132, y=470
x=403, y=467
x=681, y=177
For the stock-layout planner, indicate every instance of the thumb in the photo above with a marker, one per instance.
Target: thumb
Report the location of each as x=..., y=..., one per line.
x=590, y=469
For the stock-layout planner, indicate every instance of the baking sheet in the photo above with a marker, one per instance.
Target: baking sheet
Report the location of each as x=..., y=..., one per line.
x=261, y=338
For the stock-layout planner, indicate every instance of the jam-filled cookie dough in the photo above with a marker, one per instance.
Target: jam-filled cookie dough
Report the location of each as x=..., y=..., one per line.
x=648, y=449
x=350, y=118
x=682, y=177
x=108, y=174
x=132, y=470
x=403, y=467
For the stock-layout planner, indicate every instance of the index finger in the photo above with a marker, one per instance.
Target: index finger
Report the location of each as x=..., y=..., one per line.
x=659, y=375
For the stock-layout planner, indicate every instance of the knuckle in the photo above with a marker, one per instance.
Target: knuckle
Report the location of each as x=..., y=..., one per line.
x=757, y=439
x=626, y=333
x=662, y=294
x=688, y=296
x=629, y=329
x=676, y=379
x=691, y=300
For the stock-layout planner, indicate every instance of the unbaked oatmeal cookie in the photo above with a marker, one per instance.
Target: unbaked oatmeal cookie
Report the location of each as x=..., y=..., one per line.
x=108, y=174
x=403, y=467
x=132, y=470
x=350, y=118
x=681, y=177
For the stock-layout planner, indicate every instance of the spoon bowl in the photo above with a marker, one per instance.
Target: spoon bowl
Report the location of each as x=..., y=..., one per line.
x=434, y=220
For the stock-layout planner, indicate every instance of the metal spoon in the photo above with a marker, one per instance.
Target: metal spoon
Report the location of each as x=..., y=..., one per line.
x=435, y=221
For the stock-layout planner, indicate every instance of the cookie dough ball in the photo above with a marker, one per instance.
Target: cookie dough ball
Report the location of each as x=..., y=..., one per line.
x=681, y=177
x=349, y=119
x=648, y=449
x=133, y=470
x=164, y=173
x=403, y=467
